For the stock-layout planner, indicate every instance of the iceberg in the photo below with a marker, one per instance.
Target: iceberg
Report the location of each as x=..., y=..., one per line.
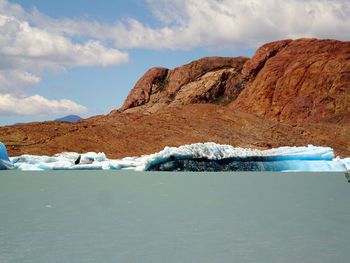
x=194, y=157
x=5, y=163
x=346, y=162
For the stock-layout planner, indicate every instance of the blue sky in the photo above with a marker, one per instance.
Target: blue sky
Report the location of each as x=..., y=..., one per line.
x=103, y=10
x=83, y=56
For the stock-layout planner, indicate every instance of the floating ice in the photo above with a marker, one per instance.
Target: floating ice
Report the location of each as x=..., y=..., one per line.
x=5, y=163
x=195, y=157
x=346, y=162
x=61, y=161
x=3, y=152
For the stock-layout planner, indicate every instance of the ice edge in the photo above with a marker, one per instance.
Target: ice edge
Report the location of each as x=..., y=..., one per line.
x=303, y=158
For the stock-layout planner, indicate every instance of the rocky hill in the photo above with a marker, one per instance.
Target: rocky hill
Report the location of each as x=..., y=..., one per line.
x=292, y=92
x=299, y=80
x=293, y=81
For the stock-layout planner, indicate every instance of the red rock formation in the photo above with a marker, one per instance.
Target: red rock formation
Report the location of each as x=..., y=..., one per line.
x=210, y=79
x=253, y=66
x=153, y=81
x=190, y=72
x=287, y=80
x=305, y=79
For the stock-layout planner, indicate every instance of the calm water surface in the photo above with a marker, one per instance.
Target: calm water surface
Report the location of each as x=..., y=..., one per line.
x=99, y=216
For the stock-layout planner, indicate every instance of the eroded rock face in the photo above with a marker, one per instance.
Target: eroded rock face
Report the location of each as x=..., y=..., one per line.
x=252, y=67
x=287, y=80
x=213, y=87
x=192, y=71
x=305, y=79
x=151, y=82
x=210, y=79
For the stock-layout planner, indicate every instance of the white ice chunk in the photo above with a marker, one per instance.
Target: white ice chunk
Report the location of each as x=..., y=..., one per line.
x=90, y=157
x=305, y=158
x=213, y=151
x=346, y=162
x=73, y=156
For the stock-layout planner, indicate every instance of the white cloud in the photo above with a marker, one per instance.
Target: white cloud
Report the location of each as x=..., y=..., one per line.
x=20, y=40
x=185, y=24
x=27, y=50
x=38, y=106
x=229, y=24
x=237, y=23
x=14, y=79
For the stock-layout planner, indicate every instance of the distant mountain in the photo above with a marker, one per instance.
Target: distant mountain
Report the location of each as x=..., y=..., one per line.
x=69, y=118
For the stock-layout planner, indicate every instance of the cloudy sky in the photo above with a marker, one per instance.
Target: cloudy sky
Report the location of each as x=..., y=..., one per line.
x=83, y=56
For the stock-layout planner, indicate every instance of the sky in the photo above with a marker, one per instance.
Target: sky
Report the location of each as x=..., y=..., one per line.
x=84, y=56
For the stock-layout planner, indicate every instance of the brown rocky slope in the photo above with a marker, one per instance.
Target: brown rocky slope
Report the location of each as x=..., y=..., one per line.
x=290, y=93
x=300, y=80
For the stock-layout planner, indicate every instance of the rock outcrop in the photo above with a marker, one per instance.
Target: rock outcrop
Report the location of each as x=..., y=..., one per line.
x=297, y=81
x=287, y=80
x=152, y=82
x=207, y=80
x=265, y=52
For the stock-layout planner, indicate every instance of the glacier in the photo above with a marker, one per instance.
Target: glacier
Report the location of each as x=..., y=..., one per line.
x=194, y=157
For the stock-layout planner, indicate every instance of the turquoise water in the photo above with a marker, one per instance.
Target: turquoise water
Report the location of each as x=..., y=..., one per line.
x=97, y=216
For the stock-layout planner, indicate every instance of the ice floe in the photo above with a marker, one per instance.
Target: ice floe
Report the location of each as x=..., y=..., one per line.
x=5, y=163
x=195, y=157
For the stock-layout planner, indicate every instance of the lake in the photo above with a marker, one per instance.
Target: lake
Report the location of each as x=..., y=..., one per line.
x=101, y=216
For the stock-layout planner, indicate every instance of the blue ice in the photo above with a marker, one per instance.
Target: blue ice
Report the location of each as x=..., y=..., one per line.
x=5, y=163
x=303, y=158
